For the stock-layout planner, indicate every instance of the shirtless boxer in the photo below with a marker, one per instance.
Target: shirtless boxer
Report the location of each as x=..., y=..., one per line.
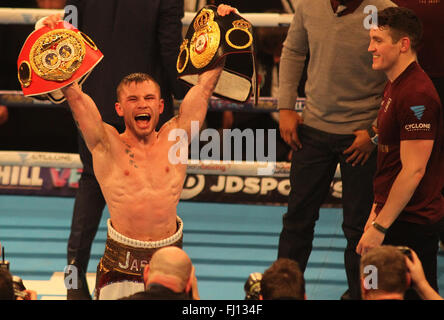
x=141, y=186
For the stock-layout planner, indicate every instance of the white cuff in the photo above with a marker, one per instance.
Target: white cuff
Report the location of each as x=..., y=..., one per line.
x=39, y=24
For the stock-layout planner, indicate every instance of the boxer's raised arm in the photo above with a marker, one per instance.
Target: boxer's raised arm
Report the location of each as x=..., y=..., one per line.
x=194, y=105
x=86, y=116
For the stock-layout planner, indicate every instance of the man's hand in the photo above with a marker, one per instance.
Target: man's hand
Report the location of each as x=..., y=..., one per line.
x=289, y=120
x=30, y=295
x=360, y=149
x=371, y=238
x=415, y=269
x=419, y=281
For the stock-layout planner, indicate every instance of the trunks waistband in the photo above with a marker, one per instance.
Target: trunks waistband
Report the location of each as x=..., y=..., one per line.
x=120, y=238
x=127, y=256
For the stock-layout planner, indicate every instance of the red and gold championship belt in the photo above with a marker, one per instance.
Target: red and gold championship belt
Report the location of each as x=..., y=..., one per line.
x=51, y=59
x=211, y=37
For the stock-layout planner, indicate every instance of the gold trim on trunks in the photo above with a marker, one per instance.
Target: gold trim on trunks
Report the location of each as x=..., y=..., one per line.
x=205, y=40
x=56, y=55
x=182, y=62
x=239, y=26
x=24, y=74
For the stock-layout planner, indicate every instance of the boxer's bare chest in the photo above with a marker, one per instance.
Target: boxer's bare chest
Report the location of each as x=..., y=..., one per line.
x=149, y=164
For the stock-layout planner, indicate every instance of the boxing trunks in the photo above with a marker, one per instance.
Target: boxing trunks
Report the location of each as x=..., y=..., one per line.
x=119, y=272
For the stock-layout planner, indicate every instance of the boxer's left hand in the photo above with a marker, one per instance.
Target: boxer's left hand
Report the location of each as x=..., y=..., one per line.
x=224, y=9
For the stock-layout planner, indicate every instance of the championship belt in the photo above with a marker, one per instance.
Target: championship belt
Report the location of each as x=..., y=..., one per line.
x=209, y=38
x=51, y=59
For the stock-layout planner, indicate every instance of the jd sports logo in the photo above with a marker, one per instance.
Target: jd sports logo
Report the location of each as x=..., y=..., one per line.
x=418, y=111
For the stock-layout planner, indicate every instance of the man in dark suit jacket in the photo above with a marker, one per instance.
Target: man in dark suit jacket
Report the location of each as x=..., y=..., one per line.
x=134, y=36
x=169, y=276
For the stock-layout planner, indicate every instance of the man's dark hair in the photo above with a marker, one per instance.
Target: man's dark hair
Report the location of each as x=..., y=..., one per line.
x=135, y=78
x=403, y=22
x=6, y=286
x=283, y=280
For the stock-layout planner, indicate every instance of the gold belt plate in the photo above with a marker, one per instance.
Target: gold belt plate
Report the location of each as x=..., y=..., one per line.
x=205, y=40
x=56, y=55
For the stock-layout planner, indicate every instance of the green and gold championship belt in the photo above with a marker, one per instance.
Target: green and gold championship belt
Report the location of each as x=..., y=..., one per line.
x=211, y=37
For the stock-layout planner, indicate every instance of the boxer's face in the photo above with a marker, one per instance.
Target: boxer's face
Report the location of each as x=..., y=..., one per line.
x=140, y=105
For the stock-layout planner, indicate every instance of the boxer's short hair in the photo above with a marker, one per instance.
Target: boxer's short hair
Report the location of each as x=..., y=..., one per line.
x=403, y=22
x=138, y=77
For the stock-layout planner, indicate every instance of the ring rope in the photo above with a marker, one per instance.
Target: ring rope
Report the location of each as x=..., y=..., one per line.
x=12, y=98
x=31, y=16
x=205, y=167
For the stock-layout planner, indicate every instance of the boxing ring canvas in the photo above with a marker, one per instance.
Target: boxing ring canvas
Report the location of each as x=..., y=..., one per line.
x=226, y=243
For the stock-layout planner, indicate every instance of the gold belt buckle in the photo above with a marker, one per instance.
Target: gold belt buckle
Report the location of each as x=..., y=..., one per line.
x=57, y=54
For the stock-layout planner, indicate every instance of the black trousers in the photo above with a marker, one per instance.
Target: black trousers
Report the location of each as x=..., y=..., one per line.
x=423, y=239
x=312, y=170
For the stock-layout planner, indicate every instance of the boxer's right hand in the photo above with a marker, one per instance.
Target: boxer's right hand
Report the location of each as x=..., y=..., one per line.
x=50, y=21
x=72, y=90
